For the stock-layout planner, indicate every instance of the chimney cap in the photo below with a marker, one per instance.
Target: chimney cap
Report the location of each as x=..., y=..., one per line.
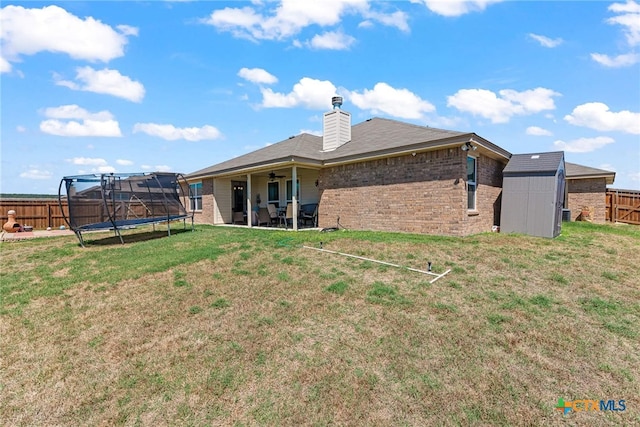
x=336, y=101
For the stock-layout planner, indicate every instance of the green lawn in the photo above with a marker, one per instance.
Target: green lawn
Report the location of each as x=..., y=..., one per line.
x=231, y=326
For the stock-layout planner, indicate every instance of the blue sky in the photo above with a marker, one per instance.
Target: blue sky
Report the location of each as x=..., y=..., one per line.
x=90, y=87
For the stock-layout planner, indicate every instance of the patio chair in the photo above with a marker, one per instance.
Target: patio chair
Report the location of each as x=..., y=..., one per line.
x=263, y=216
x=287, y=217
x=273, y=213
x=309, y=212
x=238, y=218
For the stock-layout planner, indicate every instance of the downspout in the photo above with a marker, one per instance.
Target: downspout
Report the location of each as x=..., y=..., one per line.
x=294, y=198
x=249, y=210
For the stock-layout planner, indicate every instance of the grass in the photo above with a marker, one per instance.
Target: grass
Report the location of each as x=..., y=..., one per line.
x=229, y=326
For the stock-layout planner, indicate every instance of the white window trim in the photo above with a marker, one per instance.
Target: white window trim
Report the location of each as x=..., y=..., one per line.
x=474, y=183
x=273, y=201
x=195, y=198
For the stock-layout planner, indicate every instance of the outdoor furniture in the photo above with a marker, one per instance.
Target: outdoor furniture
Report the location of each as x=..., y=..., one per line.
x=264, y=218
x=287, y=217
x=238, y=218
x=273, y=213
x=309, y=213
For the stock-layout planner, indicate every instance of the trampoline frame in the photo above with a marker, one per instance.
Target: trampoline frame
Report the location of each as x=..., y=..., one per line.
x=109, y=190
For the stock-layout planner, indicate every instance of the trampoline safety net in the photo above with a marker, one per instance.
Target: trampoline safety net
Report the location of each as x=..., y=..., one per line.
x=121, y=201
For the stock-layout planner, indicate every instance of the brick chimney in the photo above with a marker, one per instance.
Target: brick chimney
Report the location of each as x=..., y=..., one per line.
x=336, y=126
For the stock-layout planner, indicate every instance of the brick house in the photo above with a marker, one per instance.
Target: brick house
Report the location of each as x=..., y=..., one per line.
x=379, y=174
x=586, y=188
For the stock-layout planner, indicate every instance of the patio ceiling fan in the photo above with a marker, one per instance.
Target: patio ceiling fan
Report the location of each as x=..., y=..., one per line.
x=272, y=176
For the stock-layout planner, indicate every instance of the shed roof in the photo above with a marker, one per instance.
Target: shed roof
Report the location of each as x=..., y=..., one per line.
x=534, y=163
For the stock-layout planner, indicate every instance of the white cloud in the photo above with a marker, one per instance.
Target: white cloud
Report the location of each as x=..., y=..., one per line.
x=396, y=19
x=308, y=93
x=5, y=66
x=311, y=132
x=61, y=122
x=53, y=29
x=538, y=131
x=583, y=145
x=242, y=23
x=630, y=6
x=98, y=169
x=73, y=111
x=127, y=30
x=123, y=162
x=607, y=167
x=289, y=17
x=394, y=102
x=624, y=60
x=457, y=7
x=108, y=128
x=332, y=40
x=157, y=168
x=87, y=161
x=634, y=176
x=629, y=19
x=35, y=173
x=21, y=129
x=104, y=169
x=172, y=133
x=500, y=108
x=596, y=115
x=446, y=122
x=546, y=41
x=105, y=81
x=257, y=76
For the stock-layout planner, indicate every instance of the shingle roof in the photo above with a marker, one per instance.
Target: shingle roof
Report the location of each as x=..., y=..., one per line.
x=534, y=162
x=580, y=171
x=303, y=146
x=380, y=134
x=374, y=136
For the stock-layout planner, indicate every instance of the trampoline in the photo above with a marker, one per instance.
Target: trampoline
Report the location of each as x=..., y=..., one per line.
x=123, y=201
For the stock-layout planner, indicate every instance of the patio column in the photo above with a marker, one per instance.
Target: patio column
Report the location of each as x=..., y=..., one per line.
x=249, y=211
x=294, y=195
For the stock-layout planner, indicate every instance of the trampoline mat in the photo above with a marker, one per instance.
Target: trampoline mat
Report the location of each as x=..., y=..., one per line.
x=123, y=223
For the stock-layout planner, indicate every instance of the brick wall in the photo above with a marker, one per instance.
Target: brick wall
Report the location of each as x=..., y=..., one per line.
x=205, y=216
x=424, y=193
x=587, y=192
x=488, y=196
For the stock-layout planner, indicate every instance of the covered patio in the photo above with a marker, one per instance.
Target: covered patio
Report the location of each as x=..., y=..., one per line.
x=267, y=197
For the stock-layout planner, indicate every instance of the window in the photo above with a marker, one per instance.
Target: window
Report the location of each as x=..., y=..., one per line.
x=472, y=172
x=274, y=193
x=289, y=185
x=195, y=198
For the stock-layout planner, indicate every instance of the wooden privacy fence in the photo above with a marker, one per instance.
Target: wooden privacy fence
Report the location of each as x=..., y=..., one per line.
x=38, y=213
x=623, y=206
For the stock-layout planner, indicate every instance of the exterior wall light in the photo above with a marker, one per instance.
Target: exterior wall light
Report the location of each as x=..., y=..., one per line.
x=467, y=146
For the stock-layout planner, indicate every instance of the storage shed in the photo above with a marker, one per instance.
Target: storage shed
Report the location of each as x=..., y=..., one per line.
x=533, y=194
